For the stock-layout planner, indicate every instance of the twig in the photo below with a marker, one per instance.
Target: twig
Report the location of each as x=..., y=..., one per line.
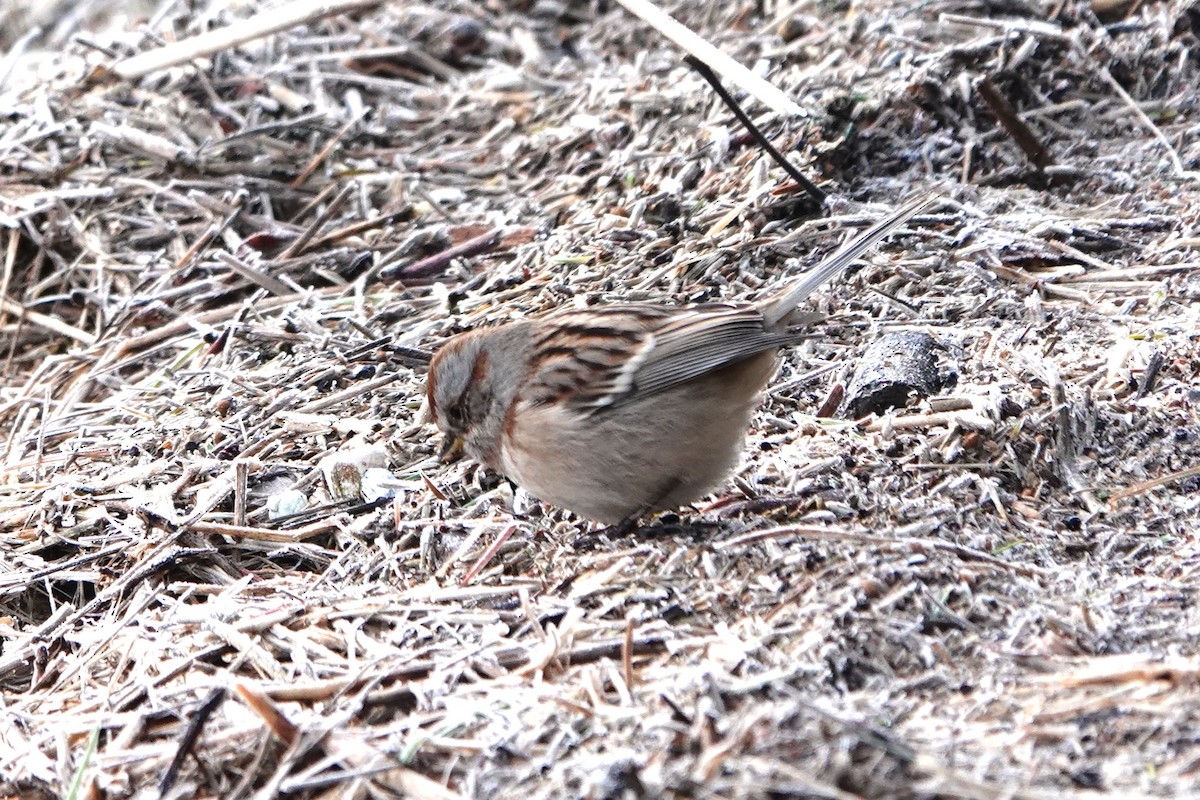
x=766, y=93
x=1155, y=131
x=43, y=321
x=188, y=740
x=487, y=556
x=1145, y=486
x=346, y=394
x=1150, y=375
x=706, y=72
x=320, y=157
x=297, y=247
x=256, y=27
x=1021, y=133
x=436, y=263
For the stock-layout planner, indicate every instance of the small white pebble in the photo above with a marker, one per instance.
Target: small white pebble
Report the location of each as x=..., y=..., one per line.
x=286, y=503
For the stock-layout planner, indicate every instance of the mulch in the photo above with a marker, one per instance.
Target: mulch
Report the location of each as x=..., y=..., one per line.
x=231, y=566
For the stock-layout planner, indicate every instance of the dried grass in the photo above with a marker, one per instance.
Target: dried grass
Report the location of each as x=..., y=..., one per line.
x=219, y=274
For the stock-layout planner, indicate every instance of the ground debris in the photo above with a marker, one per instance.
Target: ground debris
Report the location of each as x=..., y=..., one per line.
x=226, y=269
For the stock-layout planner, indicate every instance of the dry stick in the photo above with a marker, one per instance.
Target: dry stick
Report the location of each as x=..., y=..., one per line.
x=286, y=730
x=242, y=532
x=190, y=735
x=213, y=231
x=43, y=321
x=208, y=318
x=414, y=355
x=460, y=552
x=1147, y=122
x=964, y=419
x=13, y=582
x=1150, y=376
x=320, y=157
x=1045, y=285
x=706, y=72
x=766, y=93
x=241, y=473
x=142, y=142
x=1145, y=486
x=361, y=59
x=362, y=226
x=317, y=201
x=627, y=654
x=348, y=393
x=1021, y=133
x=513, y=659
x=1126, y=668
x=487, y=556
x=269, y=129
x=10, y=261
x=298, y=247
x=438, y=262
x=256, y=27
x=255, y=275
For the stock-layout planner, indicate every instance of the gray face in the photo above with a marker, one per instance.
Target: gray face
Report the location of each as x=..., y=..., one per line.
x=472, y=384
x=459, y=390
x=448, y=386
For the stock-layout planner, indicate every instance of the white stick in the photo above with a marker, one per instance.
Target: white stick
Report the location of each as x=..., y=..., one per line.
x=766, y=93
x=257, y=26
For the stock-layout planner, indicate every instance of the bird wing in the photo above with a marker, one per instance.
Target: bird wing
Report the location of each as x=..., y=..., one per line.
x=601, y=358
x=707, y=339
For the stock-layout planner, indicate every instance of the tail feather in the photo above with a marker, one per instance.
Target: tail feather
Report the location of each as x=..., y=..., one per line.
x=775, y=309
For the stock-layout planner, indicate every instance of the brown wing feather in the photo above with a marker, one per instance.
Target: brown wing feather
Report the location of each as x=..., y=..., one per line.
x=584, y=358
x=707, y=339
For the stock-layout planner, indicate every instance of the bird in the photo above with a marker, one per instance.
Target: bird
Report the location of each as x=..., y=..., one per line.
x=619, y=410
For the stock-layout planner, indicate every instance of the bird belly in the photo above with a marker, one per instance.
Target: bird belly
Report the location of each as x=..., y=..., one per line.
x=650, y=453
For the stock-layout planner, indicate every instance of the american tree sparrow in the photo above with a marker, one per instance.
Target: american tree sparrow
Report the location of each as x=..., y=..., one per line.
x=616, y=411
